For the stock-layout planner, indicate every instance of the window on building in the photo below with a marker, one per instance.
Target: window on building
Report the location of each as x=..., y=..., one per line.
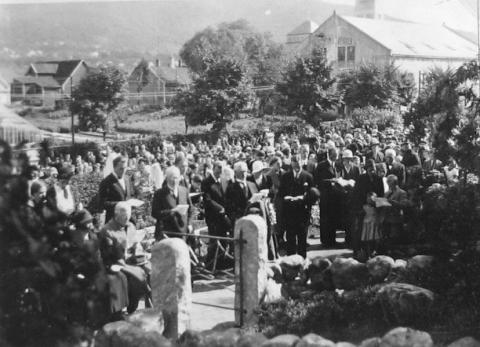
x=341, y=54
x=351, y=53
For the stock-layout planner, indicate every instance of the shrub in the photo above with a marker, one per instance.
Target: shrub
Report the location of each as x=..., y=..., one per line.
x=452, y=214
x=331, y=314
x=382, y=118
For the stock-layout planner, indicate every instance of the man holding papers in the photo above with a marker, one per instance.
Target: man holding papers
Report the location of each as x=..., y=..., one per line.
x=171, y=206
x=294, y=185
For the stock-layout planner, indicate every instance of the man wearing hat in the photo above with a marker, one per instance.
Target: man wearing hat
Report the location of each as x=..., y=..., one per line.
x=258, y=177
x=375, y=152
x=60, y=196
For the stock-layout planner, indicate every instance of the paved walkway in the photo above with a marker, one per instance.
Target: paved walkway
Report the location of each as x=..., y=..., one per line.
x=207, y=295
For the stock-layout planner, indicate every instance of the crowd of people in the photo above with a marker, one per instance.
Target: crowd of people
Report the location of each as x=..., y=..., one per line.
x=365, y=182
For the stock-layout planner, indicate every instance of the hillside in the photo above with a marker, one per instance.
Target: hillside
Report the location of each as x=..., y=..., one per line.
x=126, y=31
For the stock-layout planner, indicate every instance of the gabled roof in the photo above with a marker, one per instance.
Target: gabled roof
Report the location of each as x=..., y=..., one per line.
x=177, y=75
x=413, y=39
x=61, y=70
x=306, y=27
x=42, y=81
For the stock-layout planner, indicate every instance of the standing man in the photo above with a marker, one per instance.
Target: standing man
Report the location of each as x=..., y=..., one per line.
x=239, y=192
x=115, y=187
x=294, y=186
x=164, y=206
x=330, y=202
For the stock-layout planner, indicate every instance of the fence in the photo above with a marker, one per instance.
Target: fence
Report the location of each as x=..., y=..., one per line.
x=241, y=242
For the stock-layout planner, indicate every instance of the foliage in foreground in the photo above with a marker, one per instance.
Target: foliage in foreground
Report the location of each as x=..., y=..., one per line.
x=50, y=289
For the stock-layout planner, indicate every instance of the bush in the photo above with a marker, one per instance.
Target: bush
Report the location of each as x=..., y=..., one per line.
x=452, y=215
x=382, y=118
x=329, y=314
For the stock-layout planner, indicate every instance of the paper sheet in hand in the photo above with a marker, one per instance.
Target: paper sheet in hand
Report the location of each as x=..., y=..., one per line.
x=135, y=202
x=256, y=197
x=345, y=183
x=193, y=195
x=382, y=202
x=135, y=236
x=182, y=209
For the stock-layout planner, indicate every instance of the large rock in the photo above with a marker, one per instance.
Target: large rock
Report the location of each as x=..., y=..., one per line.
x=273, y=292
x=171, y=284
x=148, y=319
x=314, y=340
x=125, y=334
x=319, y=274
x=379, y=267
x=251, y=340
x=347, y=273
x=420, y=263
x=250, y=265
x=465, y=342
x=292, y=266
x=405, y=303
x=286, y=340
x=191, y=338
x=277, y=272
x=371, y=342
x=227, y=338
x=406, y=337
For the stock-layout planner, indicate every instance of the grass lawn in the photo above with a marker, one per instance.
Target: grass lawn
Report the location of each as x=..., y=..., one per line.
x=146, y=122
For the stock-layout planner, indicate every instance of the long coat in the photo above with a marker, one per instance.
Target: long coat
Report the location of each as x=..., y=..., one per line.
x=168, y=221
x=111, y=192
x=215, y=207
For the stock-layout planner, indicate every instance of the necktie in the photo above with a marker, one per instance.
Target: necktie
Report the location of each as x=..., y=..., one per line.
x=65, y=193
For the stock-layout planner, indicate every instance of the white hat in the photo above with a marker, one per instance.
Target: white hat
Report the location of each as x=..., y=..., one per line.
x=347, y=154
x=257, y=166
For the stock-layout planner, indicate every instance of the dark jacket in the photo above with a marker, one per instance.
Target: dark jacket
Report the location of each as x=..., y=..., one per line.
x=364, y=185
x=299, y=210
x=168, y=221
x=237, y=198
x=398, y=170
x=111, y=192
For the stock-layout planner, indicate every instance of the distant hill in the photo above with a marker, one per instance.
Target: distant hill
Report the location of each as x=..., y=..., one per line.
x=123, y=32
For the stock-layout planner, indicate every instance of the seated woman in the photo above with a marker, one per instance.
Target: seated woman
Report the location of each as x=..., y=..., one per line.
x=119, y=253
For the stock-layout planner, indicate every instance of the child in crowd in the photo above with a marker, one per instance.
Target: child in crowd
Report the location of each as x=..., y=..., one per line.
x=371, y=234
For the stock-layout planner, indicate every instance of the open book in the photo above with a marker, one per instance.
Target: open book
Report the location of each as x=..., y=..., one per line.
x=381, y=202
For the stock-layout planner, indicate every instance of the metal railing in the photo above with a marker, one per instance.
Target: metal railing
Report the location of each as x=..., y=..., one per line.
x=241, y=243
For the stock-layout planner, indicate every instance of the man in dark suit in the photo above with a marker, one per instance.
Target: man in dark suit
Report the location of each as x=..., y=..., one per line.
x=214, y=202
x=330, y=199
x=164, y=206
x=239, y=192
x=375, y=153
x=294, y=186
x=348, y=172
x=115, y=187
x=394, y=167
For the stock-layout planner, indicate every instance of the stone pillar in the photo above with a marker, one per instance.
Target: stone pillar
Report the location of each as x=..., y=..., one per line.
x=171, y=285
x=251, y=258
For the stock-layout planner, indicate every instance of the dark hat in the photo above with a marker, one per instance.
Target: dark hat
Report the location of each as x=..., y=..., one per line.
x=81, y=217
x=370, y=163
x=65, y=172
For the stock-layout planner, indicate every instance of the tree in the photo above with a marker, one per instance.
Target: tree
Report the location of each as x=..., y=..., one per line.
x=307, y=87
x=97, y=95
x=216, y=96
x=236, y=41
x=377, y=86
x=448, y=111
